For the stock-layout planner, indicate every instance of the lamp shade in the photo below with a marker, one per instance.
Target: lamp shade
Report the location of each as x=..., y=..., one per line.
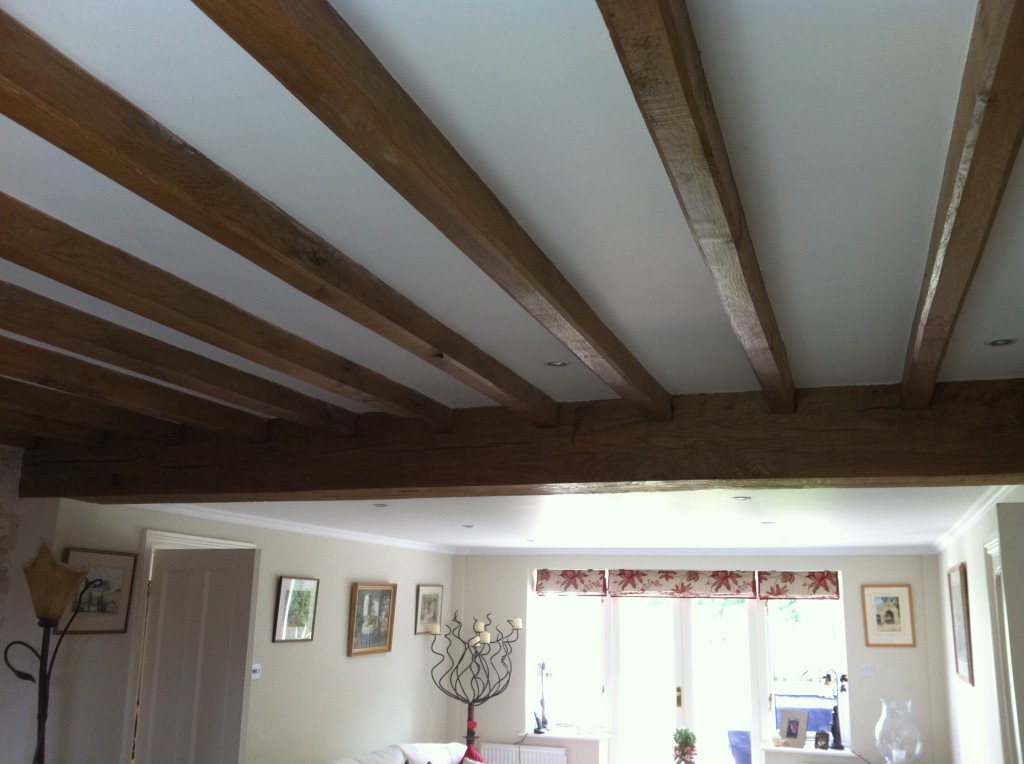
x=52, y=584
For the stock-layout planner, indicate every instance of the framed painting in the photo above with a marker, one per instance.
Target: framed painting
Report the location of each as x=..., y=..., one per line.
x=428, y=608
x=296, y=609
x=888, y=615
x=793, y=727
x=371, y=622
x=105, y=603
x=961, y=615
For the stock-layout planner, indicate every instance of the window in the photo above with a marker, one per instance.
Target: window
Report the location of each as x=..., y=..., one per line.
x=621, y=662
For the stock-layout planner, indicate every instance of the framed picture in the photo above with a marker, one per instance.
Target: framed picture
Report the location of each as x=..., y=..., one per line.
x=296, y=609
x=105, y=605
x=957, y=576
x=428, y=607
x=793, y=727
x=821, y=741
x=888, y=615
x=371, y=622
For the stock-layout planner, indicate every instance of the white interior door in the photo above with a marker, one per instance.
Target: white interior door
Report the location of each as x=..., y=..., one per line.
x=194, y=695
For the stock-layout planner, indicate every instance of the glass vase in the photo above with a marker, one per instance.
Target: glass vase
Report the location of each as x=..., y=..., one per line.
x=896, y=734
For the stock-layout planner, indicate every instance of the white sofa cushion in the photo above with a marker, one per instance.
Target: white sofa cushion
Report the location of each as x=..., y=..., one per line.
x=390, y=755
x=433, y=753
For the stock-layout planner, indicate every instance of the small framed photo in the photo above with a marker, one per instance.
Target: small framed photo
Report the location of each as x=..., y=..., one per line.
x=428, y=608
x=296, y=609
x=957, y=576
x=821, y=741
x=371, y=618
x=888, y=615
x=793, y=727
x=105, y=605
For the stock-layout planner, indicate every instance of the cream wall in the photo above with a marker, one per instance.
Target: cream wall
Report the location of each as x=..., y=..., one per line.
x=502, y=584
x=313, y=702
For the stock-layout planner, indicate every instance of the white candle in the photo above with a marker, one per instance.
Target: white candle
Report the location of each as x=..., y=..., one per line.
x=435, y=628
x=474, y=641
x=517, y=623
x=478, y=626
x=485, y=637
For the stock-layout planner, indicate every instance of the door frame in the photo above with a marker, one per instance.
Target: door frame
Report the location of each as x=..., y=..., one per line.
x=152, y=540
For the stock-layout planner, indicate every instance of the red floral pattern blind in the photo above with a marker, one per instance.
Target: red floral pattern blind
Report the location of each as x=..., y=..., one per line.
x=735, y=584
x=682, y=583
x=798, y=585
x=592, y=582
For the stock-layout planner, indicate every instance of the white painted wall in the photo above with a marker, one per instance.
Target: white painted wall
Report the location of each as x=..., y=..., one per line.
x=1011, y=533
x=313, y=702
x=501, y=584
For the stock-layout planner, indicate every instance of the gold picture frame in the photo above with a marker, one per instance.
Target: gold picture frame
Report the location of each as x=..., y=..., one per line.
x=888, y=615
x=961, y=615
x=371, y=622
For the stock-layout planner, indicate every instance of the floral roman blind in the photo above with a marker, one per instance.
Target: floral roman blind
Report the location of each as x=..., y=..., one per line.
x=798, y=585
x=681, y=583
x=733, y=584
x=592, y=582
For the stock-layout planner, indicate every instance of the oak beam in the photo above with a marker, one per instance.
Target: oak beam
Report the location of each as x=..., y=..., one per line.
x=45, y=401
x=17, y=439
x=859, y=436
x=49, y=368
x=987, y=131
x=658, y=50
x=41, y=426
x=50, y=95
x=314, y=53
x=36, y=317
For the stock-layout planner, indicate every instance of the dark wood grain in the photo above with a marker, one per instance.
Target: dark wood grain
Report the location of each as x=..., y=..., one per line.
x=972, y=435
x=658, y=50
x=321, y=60
x=987, y=131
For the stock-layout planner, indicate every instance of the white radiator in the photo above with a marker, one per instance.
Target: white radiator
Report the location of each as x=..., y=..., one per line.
x=495, y=753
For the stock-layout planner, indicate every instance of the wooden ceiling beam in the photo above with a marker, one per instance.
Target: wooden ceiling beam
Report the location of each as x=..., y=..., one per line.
x=987, y=131
x=658, y=50
x=50, y=95
x=54, y=249
x=841, y=437
x=30, y=315
x=9, y=437
x=49, y=368
x=45, y=401
x=32, y=425
x=310, y=49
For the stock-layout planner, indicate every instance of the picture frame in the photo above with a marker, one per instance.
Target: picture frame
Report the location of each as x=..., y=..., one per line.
x=961, y=616
x=821, y=741
x=429, y=599
x=296, y=609
x=371, y=618
x=793, y=727
x=888, y=615
x=104, y=607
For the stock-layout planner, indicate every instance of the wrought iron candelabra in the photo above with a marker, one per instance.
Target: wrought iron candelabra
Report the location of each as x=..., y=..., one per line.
x=831, y=678
x=473, y=668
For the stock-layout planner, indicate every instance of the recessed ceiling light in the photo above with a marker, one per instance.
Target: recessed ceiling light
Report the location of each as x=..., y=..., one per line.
x=468, y=525
x=557, y=364
x=742, y=498
x=381, y=506
x=1000, y=342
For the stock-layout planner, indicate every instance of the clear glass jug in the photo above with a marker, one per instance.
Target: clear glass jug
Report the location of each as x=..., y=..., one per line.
x=896, y=734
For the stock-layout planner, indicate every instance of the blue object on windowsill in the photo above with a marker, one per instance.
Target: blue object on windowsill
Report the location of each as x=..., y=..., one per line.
x=739, y=744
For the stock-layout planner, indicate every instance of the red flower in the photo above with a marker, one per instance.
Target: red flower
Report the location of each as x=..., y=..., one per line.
x=631, y=578
x=825, y=580
x=574, y=578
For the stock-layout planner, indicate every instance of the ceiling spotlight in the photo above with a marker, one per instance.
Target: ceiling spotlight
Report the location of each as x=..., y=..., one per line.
x=381, y=506
x=1000, y=342
x=557, y=364
x=468, y=525
x=742, y=498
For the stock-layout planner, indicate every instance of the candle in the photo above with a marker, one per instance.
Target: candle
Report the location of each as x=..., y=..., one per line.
x=435, y=628
x=517, y=623
x=478, y=626
x=474, y=641
x=485, y=637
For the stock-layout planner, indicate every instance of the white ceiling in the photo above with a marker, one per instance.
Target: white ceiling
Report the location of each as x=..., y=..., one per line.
x=836, y=115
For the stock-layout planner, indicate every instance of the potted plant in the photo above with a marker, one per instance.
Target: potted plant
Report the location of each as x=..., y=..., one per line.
x=686, y=746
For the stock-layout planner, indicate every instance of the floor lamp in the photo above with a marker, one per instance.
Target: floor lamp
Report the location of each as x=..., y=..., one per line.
x=52, y=585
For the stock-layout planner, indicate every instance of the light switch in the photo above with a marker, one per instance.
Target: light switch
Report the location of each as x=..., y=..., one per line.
x=257, y=671
x=867, y=669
